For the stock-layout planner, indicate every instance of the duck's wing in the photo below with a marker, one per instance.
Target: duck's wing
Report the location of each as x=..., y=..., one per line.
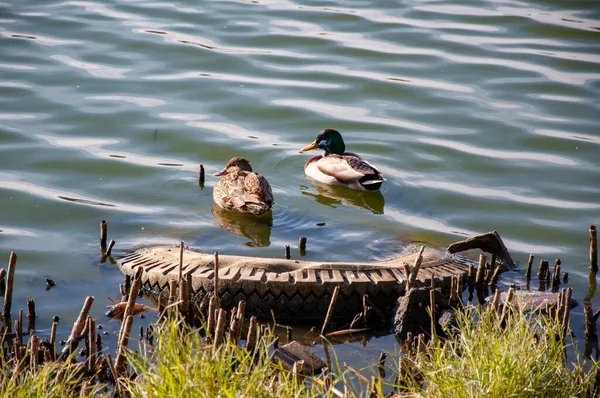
x=345, y=169
x=258, y=188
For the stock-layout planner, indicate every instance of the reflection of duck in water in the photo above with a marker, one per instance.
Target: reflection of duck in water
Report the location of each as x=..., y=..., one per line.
x=330, y=195
x=241, y=190
x=338, y=167
x=256, y=229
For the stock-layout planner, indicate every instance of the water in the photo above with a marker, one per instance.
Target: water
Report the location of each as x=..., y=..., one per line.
x=482, y=116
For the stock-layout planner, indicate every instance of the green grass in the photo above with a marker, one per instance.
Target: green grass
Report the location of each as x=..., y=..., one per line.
x=526, y=358
x=180, y=364
x=53, y=380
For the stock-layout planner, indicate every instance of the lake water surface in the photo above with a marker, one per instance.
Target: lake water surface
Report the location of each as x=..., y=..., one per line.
x=481, y=115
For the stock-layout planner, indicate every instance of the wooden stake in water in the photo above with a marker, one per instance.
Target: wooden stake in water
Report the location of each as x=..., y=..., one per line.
x=103, y=234
x=12, y=264
x=30, y=315
x=201, y=176
x=302, y=245
x=287, y=252
x=220, y=328
x=529, y=265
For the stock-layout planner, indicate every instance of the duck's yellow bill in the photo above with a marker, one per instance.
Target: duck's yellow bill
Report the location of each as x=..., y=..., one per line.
x=310, y=146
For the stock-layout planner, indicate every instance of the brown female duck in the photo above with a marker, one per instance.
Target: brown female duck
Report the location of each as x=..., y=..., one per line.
x=242, y=190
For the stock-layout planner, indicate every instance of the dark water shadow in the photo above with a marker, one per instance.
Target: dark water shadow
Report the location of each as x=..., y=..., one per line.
x=255, y=228
x=330, y=195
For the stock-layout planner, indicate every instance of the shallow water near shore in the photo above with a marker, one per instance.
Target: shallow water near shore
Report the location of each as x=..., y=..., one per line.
x=481, y=116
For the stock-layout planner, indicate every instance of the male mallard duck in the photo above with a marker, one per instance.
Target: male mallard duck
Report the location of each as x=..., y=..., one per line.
x=242, y=190
x=338, y=167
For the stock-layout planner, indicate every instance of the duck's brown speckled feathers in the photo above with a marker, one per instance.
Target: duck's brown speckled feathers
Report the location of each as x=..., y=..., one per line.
x=242, y=190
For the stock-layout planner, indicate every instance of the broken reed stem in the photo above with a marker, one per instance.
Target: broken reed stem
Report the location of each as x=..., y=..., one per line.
x=543, y=271
x=12, y=264
x=251, y=338
x=479, y=277
x=111, y=244
x=567, y=310
x=180, y=263
x=381, y=364
x=184, y=302
x=212, y=310
x=507, y=303
x=30, y=315
x=302, y=245
x=287, y=252
x=336, y=291
x=2, y=281
x=556, y=275
x=216, y=277
x=113, y=371
x=122, y=344
x=529, y=265
x=201, y=176
x=432, y=314
x=34, y=351
x=496, y=300
x=78, y=326
x=241, y=311
x=593, y=249
x=495, y=275
x=133, y=293
x=53, y=339
x=414, y=271
x=91, y=360
x=103, y=234
x=220, y=328
x=356, y=373
x=172, y=294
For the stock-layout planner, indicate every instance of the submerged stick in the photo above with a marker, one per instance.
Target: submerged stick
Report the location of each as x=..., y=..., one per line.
x=529, y=265
x=103, y=234
x=336, y=291
x=12, y=264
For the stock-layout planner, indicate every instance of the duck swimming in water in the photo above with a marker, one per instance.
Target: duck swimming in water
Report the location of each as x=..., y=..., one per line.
x=242, y=190
x=338, y=167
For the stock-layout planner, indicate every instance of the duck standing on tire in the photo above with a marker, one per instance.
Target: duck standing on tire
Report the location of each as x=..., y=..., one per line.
x=338, y=167
x=242, y=190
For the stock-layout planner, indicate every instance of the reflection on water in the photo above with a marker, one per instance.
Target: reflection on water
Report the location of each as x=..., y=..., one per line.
x=255, y=228
x=331, y=195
